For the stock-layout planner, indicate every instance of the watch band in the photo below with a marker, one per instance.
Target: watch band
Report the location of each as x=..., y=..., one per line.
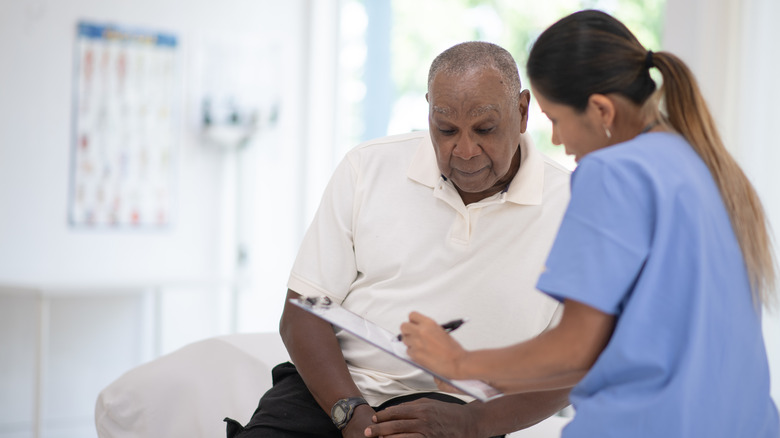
x=342, y=410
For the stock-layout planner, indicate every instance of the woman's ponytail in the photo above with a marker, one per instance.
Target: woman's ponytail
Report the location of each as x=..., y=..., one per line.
x=688, y=114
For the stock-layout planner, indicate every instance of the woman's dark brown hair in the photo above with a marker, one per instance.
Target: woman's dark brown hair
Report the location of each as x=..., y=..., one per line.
x=590, y=52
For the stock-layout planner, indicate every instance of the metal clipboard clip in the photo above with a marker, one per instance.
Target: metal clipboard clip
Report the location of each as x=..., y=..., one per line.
x=322, y=302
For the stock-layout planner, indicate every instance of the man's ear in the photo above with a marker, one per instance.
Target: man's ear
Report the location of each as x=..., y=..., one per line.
x=426, y=98
x=522, y=105
x=602, y=108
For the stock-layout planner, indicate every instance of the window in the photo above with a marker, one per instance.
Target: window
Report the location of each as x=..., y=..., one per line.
x=384, y=76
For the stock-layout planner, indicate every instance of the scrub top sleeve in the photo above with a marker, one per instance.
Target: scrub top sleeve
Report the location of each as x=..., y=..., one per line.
x=325, y=264
x=604, y=237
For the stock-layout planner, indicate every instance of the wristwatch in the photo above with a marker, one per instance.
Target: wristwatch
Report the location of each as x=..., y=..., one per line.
x=342, y=410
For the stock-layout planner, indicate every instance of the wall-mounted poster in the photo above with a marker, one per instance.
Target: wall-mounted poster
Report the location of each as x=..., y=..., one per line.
x=123, y=153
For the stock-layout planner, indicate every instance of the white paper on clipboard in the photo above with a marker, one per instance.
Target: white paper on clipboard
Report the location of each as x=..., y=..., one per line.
x=385, y=341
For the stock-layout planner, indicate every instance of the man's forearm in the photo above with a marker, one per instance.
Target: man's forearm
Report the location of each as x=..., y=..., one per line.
x=314, y=349
x=514, y=412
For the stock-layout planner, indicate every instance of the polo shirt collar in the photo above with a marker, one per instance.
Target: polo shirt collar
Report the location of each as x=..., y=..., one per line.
x=526, y=187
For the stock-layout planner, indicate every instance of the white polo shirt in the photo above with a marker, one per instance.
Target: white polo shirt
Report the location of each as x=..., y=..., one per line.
x=391, y=236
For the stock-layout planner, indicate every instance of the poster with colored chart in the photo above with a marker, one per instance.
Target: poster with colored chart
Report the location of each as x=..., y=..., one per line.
x=124, y=133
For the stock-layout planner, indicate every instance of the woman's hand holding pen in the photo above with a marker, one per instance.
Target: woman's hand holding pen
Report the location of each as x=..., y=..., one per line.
x=431, y=346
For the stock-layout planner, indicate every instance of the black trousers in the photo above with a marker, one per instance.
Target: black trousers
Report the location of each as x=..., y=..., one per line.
x=288, y=410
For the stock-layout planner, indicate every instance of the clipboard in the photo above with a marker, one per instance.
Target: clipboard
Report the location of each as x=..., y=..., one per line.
x=324, y=308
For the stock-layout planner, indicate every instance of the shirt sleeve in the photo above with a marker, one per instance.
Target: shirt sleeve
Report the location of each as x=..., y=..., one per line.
x=604, y=237
x=325, y=264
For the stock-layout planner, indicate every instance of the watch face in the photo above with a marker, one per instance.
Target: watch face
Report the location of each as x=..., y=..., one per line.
x=339, y=413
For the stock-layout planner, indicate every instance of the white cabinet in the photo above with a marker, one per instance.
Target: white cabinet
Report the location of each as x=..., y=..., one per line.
x=60, y=345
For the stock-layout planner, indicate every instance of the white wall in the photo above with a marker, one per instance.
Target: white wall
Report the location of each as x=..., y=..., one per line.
x=79, y=306
x=755, y=116
x=730, y=45
x=275, y=210
x=36, y=43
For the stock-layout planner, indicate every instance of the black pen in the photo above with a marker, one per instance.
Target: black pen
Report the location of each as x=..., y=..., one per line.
x=448, y=327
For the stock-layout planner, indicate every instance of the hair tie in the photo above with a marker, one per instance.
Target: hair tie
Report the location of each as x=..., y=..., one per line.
x=649, y=63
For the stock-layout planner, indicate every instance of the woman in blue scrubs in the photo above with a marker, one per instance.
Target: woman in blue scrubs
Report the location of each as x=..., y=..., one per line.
x=663, y=258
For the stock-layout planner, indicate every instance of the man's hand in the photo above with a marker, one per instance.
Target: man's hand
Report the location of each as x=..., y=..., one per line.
x=424, y=418
x=361, y=419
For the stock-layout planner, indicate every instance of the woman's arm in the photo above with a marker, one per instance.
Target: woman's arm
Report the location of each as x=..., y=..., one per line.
x=557, y=358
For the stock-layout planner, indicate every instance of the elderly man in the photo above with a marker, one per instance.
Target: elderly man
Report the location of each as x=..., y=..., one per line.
x=454, y=222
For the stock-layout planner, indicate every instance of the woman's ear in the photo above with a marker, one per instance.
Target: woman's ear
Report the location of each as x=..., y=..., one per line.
x=602, y=109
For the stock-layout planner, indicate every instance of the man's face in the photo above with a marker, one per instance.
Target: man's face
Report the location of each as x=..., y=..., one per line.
x=475, y=129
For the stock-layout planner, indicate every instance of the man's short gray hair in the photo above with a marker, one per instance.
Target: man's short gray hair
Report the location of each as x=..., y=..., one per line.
x=474, y=55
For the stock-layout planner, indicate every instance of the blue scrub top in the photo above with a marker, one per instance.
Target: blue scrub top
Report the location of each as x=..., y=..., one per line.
x=646, y=238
